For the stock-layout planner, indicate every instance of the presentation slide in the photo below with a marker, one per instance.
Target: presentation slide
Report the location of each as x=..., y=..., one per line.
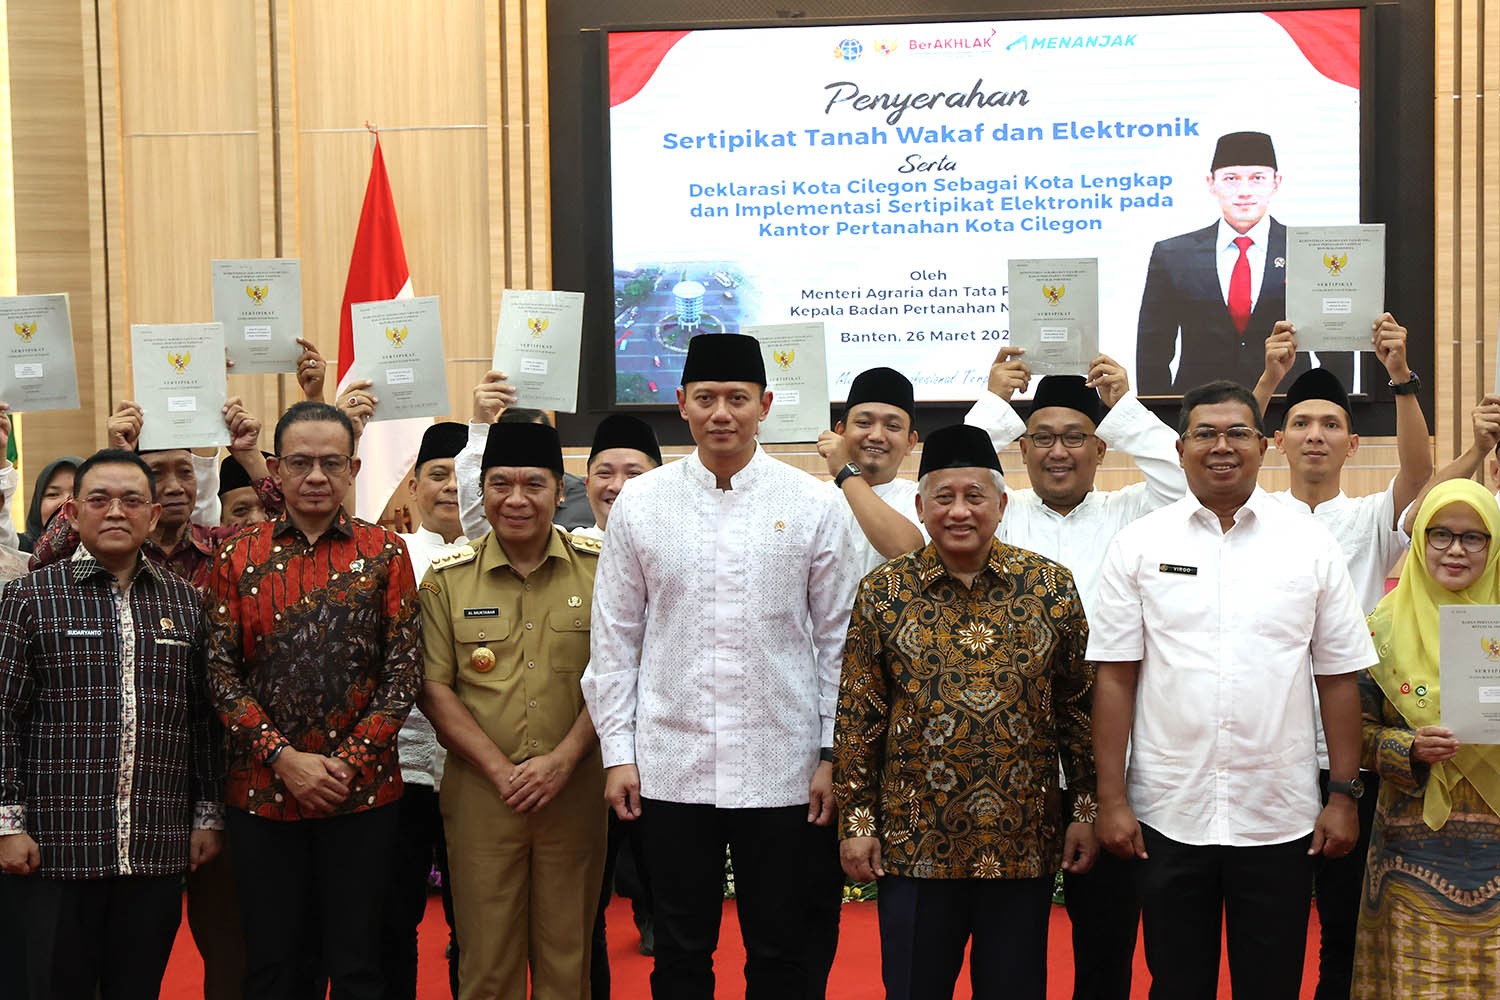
x=878, y=178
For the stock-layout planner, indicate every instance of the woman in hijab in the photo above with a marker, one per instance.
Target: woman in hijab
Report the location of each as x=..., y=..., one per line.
x=1429, y=923
x=53, y=485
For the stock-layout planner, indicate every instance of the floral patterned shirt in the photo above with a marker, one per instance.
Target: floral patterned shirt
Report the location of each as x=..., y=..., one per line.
x=314, y=646
x=954, y=705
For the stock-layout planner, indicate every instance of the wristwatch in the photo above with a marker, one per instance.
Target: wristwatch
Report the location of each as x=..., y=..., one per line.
x=849, y=470
x=1354, y=788
x=1407, y=388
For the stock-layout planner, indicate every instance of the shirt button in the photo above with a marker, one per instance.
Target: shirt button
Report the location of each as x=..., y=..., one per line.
x=530, y=664
x=533, y=742
x=528, y=626
x=481, y=635
x=532, y=704
x=577, y=622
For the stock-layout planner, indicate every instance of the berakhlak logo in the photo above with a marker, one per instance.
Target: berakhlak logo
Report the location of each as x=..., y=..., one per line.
x=396, y=335
x=1053, y=293
x=536, y=324
x=1335, y=263
x=848, y=50
x=257, y=293
x=26, y=331
x=179, y=361
x=784, y=359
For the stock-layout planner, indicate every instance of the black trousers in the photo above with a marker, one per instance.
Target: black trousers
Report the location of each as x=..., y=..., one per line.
x=420, y=845
x=621, y=837
x=104, y=937
x=1193, y=896
x=825, y=904
x=1104, y=908
x=684, y=850
x=1340, y=883
x=311, y=895
x=926, y=922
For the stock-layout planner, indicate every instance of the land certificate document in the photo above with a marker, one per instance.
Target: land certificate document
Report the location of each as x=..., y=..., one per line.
x=1054, y=313
x=180, y=384
x=536, y=345
x=1469, y=668
x=398, y=346
x=37, y=371
x=260, y=304
x=797, y=375
x=1335, y=285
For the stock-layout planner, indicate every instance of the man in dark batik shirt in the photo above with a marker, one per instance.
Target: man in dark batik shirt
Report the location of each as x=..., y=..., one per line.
x=314, y=661
x=109, y=780
x=963, y=684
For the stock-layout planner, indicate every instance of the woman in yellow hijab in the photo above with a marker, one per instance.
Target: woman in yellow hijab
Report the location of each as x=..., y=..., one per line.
x=1429, y=923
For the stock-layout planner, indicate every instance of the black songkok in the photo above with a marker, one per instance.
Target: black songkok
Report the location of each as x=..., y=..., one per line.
x=958, y=446
x=1244, y=149
x=523, y=446
x=882, y=385
x=1069, y=391
x=620, y=430
x=232, y=475
x=1317, y=383
x=724, y=357
x=442, y=440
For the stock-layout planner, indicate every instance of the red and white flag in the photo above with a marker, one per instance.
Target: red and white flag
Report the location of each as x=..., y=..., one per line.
x=377, y=273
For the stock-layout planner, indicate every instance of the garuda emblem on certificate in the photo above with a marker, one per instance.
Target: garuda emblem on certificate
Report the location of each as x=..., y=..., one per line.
x=536, y=324
x=784, y=359
x=179, y=362
x=1491, y=647
x=1335, y=262
x=395, y=334
x=1053, y=293
x=26, y=331
x=257, y=293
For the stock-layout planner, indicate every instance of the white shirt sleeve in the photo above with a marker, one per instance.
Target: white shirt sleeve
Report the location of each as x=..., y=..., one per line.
x=466, y=466
x=997, y=418
x=616, y=639
x=207, y=510
x=1117, y=619
x=10, y=478
x=1341, y=641
x=832, y=581
x=1131, y=428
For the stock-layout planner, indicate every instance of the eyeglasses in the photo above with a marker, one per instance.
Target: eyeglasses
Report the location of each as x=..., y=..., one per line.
x=1072, y=440
x=1238, y=436
x=131, y=504
x=1442, y=539
x=298, y=466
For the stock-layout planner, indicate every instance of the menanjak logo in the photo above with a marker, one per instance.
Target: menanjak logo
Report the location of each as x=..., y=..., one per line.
x=1026, y=43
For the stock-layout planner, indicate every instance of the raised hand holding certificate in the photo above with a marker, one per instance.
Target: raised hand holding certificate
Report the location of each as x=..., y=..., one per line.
x=398, y=346
x=260, y=304
x=797, y=370
x=536, y=345
x=1054, y=313
x=1469, y=671
x=37, y=371
x=180, y=384
x=1335, y=285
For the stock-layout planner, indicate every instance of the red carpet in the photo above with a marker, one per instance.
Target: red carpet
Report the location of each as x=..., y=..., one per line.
x=856, y=971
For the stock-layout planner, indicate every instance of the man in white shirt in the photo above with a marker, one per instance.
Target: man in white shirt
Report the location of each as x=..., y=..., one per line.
x=864, y=452
x=420, y=844
x=1214, y=619
x=1063, y=517
x=720, y=611
x=1317, y=437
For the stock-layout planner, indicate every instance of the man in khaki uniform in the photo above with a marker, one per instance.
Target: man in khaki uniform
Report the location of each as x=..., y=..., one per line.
x=505, y=630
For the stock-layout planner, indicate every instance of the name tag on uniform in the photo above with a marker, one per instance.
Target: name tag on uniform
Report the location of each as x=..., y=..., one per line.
x=481, y=612
x=172, y=642
x=1181, y=570
x=85, y=633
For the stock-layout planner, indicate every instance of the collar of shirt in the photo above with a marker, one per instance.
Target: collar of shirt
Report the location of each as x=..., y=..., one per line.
x=433, y=538
x=1305, y=507
x=699, y=473
x=198, y=536
x=931, y=569
x=493, y=556
x=342, y=524
x=84, y=566
x=1259, y=234
x=1196, y=512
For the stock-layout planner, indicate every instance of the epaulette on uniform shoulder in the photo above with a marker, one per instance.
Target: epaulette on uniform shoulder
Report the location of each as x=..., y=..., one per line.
x=583, y=543
x=457, y=557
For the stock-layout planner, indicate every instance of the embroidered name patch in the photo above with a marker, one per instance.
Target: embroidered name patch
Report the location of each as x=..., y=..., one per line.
x=481, y=612
x=1174, y=568
x=85, y=633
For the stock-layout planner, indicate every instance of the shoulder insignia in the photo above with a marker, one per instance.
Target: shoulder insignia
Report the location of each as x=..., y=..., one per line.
x=457, y=557
x=430, y=587
x=583, y=543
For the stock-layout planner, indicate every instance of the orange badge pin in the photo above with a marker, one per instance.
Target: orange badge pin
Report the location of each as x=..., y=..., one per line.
x=483, y=660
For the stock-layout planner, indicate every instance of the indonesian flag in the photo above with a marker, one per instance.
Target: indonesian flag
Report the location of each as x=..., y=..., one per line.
x=377, y=273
